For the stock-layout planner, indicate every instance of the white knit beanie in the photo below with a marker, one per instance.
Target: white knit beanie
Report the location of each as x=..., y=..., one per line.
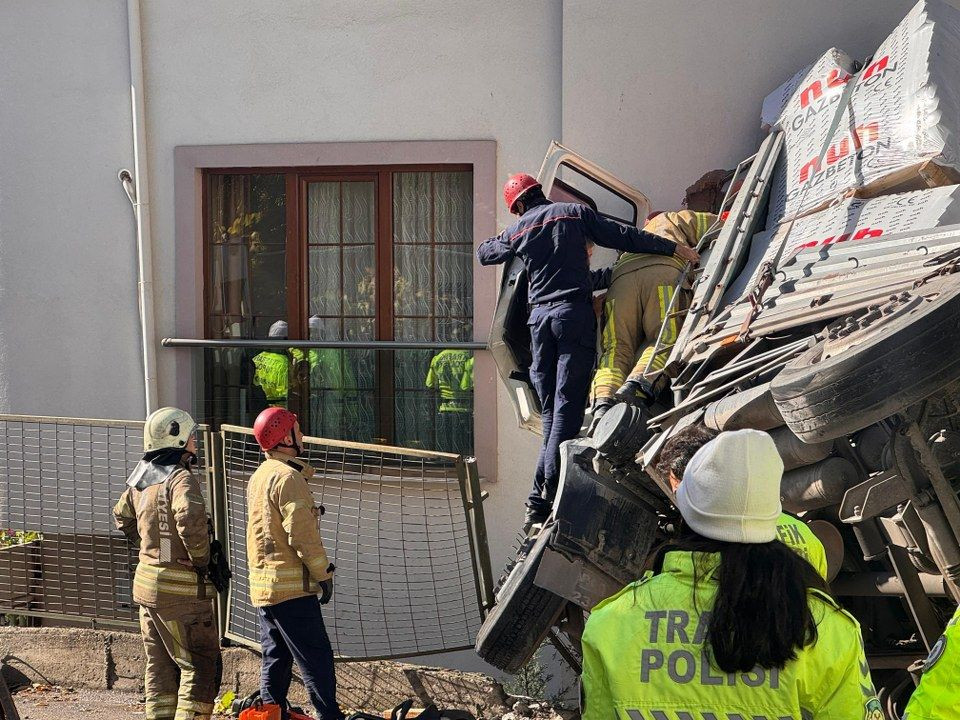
x=731, y=488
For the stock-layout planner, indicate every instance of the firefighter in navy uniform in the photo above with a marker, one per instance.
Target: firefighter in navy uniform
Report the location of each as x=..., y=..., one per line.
x=552, y=239
x=164, y=514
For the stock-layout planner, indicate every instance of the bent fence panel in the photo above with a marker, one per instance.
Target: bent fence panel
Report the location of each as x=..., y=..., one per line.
x=61, y=556
x=405, y=530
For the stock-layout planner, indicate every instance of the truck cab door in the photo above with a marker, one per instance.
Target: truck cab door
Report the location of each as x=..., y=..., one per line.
x=566, y=177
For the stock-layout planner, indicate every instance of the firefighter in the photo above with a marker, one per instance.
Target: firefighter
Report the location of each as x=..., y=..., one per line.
x=288, y=568
x=937, y=697
x=729, y=622
x=162, y=511
x=635, y=308
x=551, y=239
x=791, y=531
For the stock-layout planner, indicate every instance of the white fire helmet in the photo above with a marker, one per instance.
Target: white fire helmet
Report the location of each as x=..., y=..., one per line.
x=168, y=427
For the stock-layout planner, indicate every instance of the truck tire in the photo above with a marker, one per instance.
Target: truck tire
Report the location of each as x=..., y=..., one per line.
x=875, y=365
x=523, y=615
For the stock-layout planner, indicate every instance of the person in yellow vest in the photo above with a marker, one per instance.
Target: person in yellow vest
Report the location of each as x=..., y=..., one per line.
x=729, y=622
x=162, y=512
x=792, y=532
x=271, y=368
x=937, y=697
x=288, y=568
x=641, y=289
x=451, y=375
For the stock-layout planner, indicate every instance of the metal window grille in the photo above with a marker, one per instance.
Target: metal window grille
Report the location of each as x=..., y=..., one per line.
x=59, y=479
x=404, y=529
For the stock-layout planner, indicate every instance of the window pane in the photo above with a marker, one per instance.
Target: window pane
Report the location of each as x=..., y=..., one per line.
x=359, y=218
x=606, y=200
x=412, y=287
x=246, y=253
x=411, y=207
x=325, y=290
x=433, y=301
x=359, y=280
x=323, y=213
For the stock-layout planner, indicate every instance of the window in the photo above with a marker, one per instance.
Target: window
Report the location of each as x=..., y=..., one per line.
x=355, y=254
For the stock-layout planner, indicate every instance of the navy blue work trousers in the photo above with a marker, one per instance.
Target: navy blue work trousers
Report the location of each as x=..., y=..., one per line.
x=294, y=630
x=563, y=338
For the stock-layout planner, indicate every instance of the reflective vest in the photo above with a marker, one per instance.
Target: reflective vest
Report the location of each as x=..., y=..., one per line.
x=451, y=372
x=645, y=657
x=937, y=697
x=272, y=372
x=797, y=536
x=285, y=555
x=168, y=522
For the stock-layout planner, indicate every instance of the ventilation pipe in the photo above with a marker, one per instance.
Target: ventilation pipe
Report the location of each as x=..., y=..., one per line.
x=137, y=187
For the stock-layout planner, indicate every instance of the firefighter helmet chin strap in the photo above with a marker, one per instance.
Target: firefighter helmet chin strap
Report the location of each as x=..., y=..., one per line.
x=296, y=447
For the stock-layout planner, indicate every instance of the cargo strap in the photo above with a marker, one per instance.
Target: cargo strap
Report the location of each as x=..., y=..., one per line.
x=769, y=268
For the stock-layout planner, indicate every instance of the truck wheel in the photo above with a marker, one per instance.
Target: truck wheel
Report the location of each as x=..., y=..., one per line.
x=873, y=365
x=523, y=615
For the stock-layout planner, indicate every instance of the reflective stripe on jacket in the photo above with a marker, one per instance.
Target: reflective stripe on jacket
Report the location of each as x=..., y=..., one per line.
x=285, y=554
x=168, y=521
x=937, y=697
x=646, y=657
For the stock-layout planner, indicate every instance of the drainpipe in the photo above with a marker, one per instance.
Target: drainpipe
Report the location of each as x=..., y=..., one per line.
x=138, y=190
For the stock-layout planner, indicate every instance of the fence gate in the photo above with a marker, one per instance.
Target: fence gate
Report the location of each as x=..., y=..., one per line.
x=405, y=530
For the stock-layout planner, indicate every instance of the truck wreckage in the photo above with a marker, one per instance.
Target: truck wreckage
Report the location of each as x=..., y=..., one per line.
x=825, y=312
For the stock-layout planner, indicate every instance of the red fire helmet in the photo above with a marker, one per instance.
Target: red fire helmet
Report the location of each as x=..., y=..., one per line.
x=516, y=185
x=272, y=426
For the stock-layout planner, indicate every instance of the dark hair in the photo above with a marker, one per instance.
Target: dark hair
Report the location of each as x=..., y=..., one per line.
x=532, y=197
x=678, y=450
x=761, y=615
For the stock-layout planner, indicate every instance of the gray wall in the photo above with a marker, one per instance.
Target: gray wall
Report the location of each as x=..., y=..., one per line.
x=661, y=92
x=69, y=329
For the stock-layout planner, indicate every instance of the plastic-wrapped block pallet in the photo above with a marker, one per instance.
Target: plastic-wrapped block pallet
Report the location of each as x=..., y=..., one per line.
x=897, y=133
x=846, y=223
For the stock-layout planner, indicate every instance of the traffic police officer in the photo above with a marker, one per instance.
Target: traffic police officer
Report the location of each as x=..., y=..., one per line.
x=733, y=624
x=288, y=567
x=164, y=514
x=937, y=697
x=552, y=240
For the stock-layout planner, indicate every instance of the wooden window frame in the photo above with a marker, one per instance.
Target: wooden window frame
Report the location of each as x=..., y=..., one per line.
x=296, y=181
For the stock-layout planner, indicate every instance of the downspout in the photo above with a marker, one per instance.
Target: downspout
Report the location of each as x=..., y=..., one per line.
x=137, y=188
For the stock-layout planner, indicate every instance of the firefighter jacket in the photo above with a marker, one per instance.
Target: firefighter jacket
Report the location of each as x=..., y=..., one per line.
x=168, y=521
x=684, y=227
x=285, y=554
x=937, y=697
x=552, y=241
x=646, y=657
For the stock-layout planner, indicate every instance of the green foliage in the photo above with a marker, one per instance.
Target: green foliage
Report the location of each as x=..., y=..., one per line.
x=532, y=679
x=8, y=538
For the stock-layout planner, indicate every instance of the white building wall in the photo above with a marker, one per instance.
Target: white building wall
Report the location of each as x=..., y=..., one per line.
x=660, y=92
x=69, y=327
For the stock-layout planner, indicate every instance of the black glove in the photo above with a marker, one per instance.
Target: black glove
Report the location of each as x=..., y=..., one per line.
x=218, y=572
x=326, y=586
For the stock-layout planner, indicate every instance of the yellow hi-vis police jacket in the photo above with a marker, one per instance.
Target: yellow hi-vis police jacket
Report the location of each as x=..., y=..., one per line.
x=645, y=657
x=937, y=697
x=285, y=554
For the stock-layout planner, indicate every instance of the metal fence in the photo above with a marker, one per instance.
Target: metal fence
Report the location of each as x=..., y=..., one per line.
x=405, y=528
x=398, y=528
x=59, y=480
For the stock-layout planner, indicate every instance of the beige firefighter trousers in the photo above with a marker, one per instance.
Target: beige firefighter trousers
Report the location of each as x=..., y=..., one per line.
x=184, y=667
x=634, y=310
